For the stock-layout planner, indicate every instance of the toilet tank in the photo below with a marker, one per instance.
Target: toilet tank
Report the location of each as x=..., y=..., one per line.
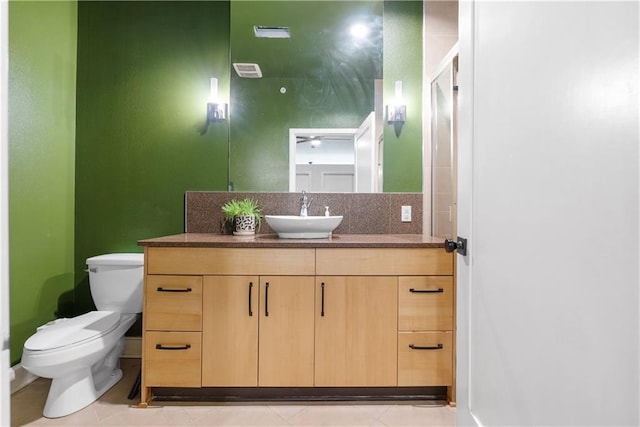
x=116, y=282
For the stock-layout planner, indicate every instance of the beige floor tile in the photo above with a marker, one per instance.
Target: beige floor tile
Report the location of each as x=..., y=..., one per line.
x=80, y=418
x=419, y=415
x=152, y=416
x=287, y=412
x=27, y=404
x=240, y=415
x=330, y=415
x=115, y=409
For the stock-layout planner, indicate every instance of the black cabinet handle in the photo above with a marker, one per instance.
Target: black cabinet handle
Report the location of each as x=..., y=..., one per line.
x=322, y=303
x=426, y=291
x=250, y=288
x=160, y=289
x=417, y=347
x=173, y=347
x=266, y=299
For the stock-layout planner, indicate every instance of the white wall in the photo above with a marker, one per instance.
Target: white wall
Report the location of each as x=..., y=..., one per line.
x=440, y=22
x=440, y=32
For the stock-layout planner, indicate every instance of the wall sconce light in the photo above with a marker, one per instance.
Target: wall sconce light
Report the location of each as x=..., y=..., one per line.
x=216, y=110
x=397, y=110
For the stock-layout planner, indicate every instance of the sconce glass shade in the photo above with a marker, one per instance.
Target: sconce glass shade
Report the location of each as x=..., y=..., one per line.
x=397, y=110
x=216, y=112
x=396, y=114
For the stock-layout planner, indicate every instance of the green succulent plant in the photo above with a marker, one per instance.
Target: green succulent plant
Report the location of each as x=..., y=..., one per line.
x=234, y=208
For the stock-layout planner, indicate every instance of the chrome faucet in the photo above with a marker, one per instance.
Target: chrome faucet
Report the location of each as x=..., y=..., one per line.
x=305, y=202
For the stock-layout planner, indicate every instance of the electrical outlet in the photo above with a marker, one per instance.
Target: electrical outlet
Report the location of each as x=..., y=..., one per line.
x=406, y=214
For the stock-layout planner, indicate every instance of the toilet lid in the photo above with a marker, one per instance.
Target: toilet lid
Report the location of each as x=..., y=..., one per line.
x=65, y=332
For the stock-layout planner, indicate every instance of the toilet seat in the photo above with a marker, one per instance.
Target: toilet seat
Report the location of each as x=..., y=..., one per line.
x=72, y=331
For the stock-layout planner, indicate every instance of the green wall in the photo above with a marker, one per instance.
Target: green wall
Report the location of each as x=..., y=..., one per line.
x=259, y=148
x=142, y=137
x=42, y=74
x=403, y=61
x=328, y=82
x=261, y=116
x=108, y=131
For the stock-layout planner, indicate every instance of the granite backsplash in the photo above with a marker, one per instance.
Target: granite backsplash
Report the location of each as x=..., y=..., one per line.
x=364, y=213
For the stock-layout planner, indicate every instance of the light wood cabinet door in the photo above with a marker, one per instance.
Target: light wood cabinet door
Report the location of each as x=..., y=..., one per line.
x=356, y=331
x=425, y=303
x=172, y=359
x=173, y=303
x=425, y=359
x=286, y=331
x=383, y=261
x=230, y=331
x=230, y=261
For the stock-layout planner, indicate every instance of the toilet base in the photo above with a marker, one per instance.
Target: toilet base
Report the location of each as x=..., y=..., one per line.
x=74, y=392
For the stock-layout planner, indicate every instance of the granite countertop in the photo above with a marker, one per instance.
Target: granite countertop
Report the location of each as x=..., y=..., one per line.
x=212, y=240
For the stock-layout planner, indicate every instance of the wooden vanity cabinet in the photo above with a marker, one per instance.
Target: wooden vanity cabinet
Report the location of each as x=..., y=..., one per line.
x=303, y=317
x=420, y=313
x=213, y=296
x=235, y=308
x=425, y=358
x=172, y=336
x=172, y=359
x=286, y=356
x=425, y=331
x=230, y=331
x=425, y=303
x=356, y=331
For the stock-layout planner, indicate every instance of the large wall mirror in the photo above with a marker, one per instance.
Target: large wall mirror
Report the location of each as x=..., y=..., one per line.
x=324, y=66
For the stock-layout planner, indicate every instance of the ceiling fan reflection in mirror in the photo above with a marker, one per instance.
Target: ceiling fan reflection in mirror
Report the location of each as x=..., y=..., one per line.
x=316, y=140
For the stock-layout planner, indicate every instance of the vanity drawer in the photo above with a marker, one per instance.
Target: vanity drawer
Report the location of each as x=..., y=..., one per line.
x=172, y=359
x=383, y=262
x=425, y=303
x=429, y=362
x=240, y=261
x=173, y=303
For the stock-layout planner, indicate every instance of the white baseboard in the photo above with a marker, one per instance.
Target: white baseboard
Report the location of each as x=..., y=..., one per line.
x=132, y=348
x=20, y=378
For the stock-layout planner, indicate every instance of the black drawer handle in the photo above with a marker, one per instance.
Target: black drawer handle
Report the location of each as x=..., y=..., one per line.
x=266, y=299
x=160, y=289
x=426, y=291
x=322, y=305
x=173, y=347
x=250, y=288
x=417, y=347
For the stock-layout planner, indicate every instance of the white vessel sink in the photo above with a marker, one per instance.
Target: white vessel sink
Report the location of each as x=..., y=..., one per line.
x=303, y=227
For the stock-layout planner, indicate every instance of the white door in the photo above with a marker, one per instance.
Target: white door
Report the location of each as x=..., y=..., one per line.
x=366, y=161
x=4, y=217
x=548, y=298
x=325, y=178
x=328, y=166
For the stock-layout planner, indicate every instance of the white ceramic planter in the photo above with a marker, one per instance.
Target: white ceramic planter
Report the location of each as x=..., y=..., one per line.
x=245, y=225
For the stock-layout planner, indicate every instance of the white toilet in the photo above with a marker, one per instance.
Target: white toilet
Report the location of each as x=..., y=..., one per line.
x=82, y=354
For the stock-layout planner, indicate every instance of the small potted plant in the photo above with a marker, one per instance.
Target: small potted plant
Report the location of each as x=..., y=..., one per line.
x=245, y=215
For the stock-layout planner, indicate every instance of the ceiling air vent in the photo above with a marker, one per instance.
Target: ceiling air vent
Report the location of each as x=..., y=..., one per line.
x=271, y=32
x=249, y=71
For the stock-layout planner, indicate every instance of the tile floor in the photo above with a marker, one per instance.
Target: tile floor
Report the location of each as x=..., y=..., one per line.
x=114, y=409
